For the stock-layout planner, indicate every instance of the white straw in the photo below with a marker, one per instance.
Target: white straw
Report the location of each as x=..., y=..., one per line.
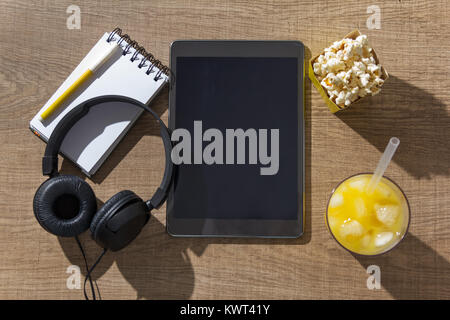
x=383, y=163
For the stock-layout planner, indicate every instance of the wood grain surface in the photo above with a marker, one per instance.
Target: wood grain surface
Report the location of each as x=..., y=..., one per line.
x=38, y=51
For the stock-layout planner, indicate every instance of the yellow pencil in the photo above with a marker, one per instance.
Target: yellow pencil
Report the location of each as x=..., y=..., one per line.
x=99, y=61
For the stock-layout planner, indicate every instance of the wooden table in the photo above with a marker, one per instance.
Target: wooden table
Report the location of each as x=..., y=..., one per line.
x=38, y=51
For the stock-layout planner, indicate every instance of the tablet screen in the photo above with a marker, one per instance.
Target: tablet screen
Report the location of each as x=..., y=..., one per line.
x=248, y=108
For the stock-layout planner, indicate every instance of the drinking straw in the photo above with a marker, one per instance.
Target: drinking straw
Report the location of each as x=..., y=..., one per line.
x=383, y=164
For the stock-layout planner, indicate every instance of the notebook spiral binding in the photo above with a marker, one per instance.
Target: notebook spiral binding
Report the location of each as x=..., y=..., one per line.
x=140, y=50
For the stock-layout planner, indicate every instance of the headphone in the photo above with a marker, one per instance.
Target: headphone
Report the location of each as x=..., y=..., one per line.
x=119, y=221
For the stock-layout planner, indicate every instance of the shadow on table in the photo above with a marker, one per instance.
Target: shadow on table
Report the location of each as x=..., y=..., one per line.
x=413, y=270
x=412, y=114
x=156, y=264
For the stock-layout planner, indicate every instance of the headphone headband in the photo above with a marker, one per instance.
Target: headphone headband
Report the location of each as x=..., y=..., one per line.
x=50, y=159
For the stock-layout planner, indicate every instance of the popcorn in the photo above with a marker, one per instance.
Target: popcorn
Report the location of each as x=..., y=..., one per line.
x=335, y=64
x=340, y=100
x=364, y=80
x=348, y=70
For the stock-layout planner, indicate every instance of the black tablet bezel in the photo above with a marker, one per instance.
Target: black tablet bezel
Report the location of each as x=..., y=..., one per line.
x=239, y=227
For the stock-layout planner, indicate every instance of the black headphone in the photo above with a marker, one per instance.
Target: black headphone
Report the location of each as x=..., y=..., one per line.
x=121, y=218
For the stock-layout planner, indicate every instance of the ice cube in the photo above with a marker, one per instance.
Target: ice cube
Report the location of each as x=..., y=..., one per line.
x=365, y=241
x=358, y=184
x=360, y=207
x=383, y=189
x=337, y=199
x=383, y=238
x=351, y=228
x=387, y=214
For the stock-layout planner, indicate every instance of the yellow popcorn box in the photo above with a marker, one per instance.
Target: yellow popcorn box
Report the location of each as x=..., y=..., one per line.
x=312, y=76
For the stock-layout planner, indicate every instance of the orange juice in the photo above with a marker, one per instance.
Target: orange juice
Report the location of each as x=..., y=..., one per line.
x=368, y=224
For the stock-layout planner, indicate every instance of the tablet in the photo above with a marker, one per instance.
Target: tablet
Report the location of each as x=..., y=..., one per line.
x=237, y=122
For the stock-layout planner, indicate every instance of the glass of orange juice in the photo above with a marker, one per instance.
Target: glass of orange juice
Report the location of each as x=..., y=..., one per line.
x=368, y=223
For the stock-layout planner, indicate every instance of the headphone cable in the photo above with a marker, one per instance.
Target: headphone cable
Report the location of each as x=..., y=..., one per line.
x=89, y=271
x=88, y=276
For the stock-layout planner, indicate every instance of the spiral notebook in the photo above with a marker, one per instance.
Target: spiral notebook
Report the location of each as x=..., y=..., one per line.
x=131, y=72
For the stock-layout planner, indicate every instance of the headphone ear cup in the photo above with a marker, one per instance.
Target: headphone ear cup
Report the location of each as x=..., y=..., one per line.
x=102, y=213
x=64, y=205
x=119, y=220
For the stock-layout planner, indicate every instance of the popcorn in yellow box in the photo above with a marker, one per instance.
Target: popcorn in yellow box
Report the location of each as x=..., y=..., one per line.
x=347, y=71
